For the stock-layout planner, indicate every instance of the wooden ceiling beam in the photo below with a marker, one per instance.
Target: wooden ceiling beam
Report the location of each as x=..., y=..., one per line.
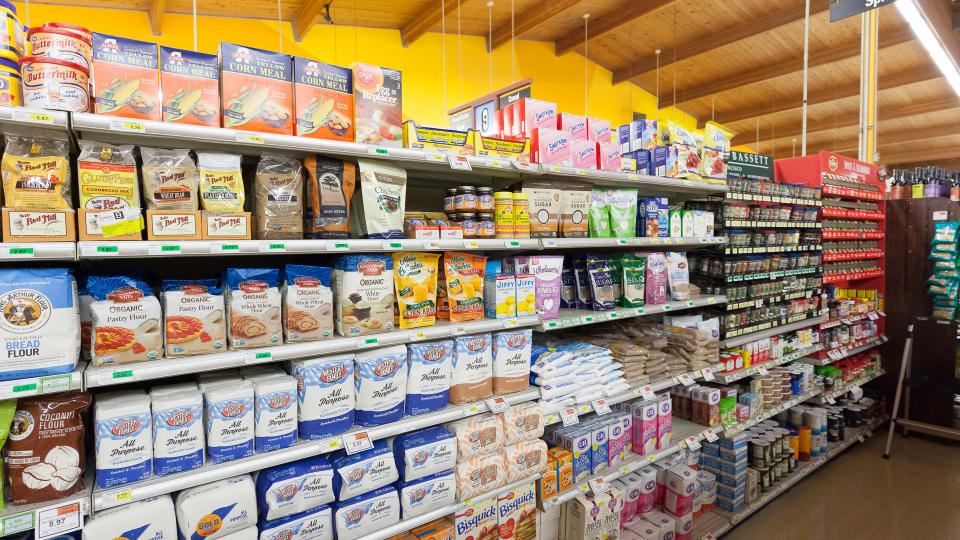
x=715, y=40
x=891, y=137
x=910, y=157
x=623, y=14
x=307, y=17
x=529, y=19
x=422, y=23
x=787, y=66
x=156, y=15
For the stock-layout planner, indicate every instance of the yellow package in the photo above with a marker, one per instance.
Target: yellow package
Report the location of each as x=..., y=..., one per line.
x=688, y=156
x=464, y=273
x=36, y=173
x=715, y=154
x=415, y=280
x=221, y=182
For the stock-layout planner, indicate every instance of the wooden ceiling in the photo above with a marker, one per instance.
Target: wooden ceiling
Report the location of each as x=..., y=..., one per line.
x=738, y=62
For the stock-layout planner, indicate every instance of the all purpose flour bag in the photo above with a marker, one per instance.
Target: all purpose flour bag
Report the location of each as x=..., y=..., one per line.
x=429, y=373
x=149, y=519
x=472, y=369
x=313, y=524
x=253, y=307
x=228, y=415
x=511, y=361
x=40, y=326
x=124, y=440
x=178, y=439
x=366, y=514
x=364, y=471
x=126, y=321
x=381, y=385
x=275, y=412
x=325, y=395
x=424, y=452
x=428, y=493
x=217, y=509
x=295, y=487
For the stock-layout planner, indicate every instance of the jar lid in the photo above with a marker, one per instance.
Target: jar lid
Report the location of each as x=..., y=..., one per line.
x=485, y=216
x=503, y=195
x=463, y=216
x=55, y=30
x=485, y=189
x=466, y=188
x=451, y=191
x=520, y=196
x=68, y=26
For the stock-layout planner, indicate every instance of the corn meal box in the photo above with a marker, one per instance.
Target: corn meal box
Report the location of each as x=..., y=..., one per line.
x=493, y=147
x=446, y=141
x=126, y=80
x=256, y=88
x=378, y=105
x=190, y=87
x=322, y=100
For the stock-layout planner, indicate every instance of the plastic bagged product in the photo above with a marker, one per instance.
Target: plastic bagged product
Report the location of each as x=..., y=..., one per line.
x=524, y=459
x=275, y=407
x=568, y=290
x=366, y=514
x=150, y=518
x=329, y=189
x=36, y=173
x=107, y=176
x=575, y=210
x=415, y=280
x=312, y=524
x=656, y=286
x=362, y=472
x=600, y=214
x=363, y=294
x=715, y=154
x=217, y=509
x=634, y=268
x=381, y=385
x=678, y=275
x=325, y=395
x=124, y=443
x=379, y=212
x=307, y=303
x=221, y=182
x=424, y=452
x=429, y=374
x=229, y=418
x=480, y=474
x=583, y=290
x=472, y=369
x=253, y=307
x=688, y=153
x=417, y=497
x=623, y=212
x=544, y=208
x=169, y=178
x=278, y=188
x=511, y=361
x=548, y=284
x=193, y=317
x=945, y=232
x=126, y=321
x=178, y=436
x=477, y=435
x=522, y=422
x=464, y=272
x=601, y=284
x=292, y=488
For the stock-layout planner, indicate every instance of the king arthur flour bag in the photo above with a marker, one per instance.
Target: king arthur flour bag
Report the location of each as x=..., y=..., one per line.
x=381, y=385
x=40, y=326
x=307, y=303
x=193, y=317
x=126, y=321
x=295, y=487
x=325, y=395
x=253, y=302
x=124, y=440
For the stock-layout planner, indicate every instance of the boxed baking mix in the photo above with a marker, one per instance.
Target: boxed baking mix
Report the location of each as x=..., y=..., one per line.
x=256, y=88
x=445, y=141
x=323, y=100
x=190, y=87
x=378, y=104
x=126, y=80
x=495, y=147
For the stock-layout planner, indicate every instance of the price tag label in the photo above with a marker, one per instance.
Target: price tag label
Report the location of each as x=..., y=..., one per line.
x=647, y=393
x=20, y=252
x=830, y=399
x=378, y=151
x=120, y=221
x=364, y=343
x=686, y=379
x=55, y=383
x=163, y=249
x=860, y=437
x=459, y=163
x=600, y=407
x=882, y=314
x=523, y=165
x=17, y=523
x=357, y=441
x=707, y=374
x=58, y=519
x=470, y=244
x=693, y=443
x=116, y=376
x=257, y=357
x=224, y=248
x=710, y=435
x=598, y=485
x=338, y=246
x=458, y=330
x=497, y=405
x=569, y=417
x=762, y=370
x=128, y=125
x=434, y=157
x=267, y=247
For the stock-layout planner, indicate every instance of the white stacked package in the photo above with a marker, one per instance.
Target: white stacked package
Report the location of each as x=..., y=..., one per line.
x=570, y=372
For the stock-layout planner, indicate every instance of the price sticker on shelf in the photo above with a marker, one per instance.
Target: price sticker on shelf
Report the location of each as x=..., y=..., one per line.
x=598, y=485
x=710, y=435
x=497, y=405
x=693, y=443
x=20, y=252
x=459, y=163
x=357, y=441
x=830, y=399
x=686, y=379
x=523, y=165
x=600, y=407
x=762, y=370
x=569, y=417
x=163, y=249
x=58, y=519
x=268, y=247
x=430, y=156
x=17, y=523
x=707, y=374
x=128, y=125
x=647, y=393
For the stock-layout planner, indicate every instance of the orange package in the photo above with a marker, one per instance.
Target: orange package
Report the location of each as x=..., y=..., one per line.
x=378, y=105
x=190, y=87
x=256, y=88
x=440, y=529
x=464, y=273
x=126, y=77
x=323, y=100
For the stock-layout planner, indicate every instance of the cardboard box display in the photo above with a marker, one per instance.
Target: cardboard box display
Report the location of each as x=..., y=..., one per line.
x=444, y=141
x=533, y=114
x=225, y=225
x=573, y=124
x=256, y=87
x=378, y=104
x=22, y=225
x=599, y=130
x=583, y=153
x=322, y=100
x=493, y=147
x=608, y=156
x=190, y=87
x=126, y=77
x=173, y=225
x=440, y=529
x=550, y=147
x=88, y=229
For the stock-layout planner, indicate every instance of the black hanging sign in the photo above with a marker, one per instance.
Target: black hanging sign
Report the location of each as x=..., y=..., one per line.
x=841, y=9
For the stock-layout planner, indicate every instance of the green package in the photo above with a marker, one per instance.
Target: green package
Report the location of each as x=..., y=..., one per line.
x=7, y=409
x=614, y=261
x=634, y=280
x=599, y=214
x=623, y=212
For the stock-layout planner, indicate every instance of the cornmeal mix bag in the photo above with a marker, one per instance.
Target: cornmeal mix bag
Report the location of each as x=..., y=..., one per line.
x=464, y=273
x=36, y=173
x=253, y=307
x=194, y=321
x=278, y=211
x=415, y=279
x=363, y=294
x=307, y=303
x=169, y=179
x=107, y=176
x=221, y=182
x=329, y=189
x=126, y=320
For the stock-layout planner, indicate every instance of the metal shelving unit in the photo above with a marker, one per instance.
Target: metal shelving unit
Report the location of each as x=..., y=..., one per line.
x=50, y=384
x=825, y=397
x=834, y=355
x=773, y=331
x=579, y=317
x=733, y=429
x=726, y=378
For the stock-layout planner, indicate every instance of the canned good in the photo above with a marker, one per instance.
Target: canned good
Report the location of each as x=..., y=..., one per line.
x=759, y=450
x=11, y=31
x=49, y=83
x=62, y=44
x=10, y=89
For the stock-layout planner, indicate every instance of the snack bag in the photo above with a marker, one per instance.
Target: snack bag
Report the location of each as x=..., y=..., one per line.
x=688, y=156
x=415, y=279
x=464, y=273
x=716, y=153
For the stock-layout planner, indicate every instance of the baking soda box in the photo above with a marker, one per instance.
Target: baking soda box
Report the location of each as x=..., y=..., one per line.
x=323, y=100
x=256, y=87
x=190, y=87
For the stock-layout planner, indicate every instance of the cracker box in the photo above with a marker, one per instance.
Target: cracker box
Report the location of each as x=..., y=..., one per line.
x=550, y=147
x=190, y=87
x=599, y=130
x=256, y=88
x=27, y=225
x=477, y=520
x=378, y=105
x=573, y=124
x=443, y=141
x=322, y=100
x=126, y=80
x=500, y=148
x=583, y=153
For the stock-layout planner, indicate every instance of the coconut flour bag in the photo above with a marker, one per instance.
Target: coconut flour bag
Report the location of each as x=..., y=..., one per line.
x=169, y=179
x=278, y=186
x=126, y=321
x=253, y=307
x=330, y=187
x=379, y=212
x=307, y=303
x=194, y=320
x=221, y=182
x=363, y=294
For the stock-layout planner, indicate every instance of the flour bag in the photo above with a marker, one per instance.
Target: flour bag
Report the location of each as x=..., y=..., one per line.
x=381, y=385
x=307, y=303
x=325, y=395
x=291, y=488
x=253, y=307
x=126, y=321
x=430, y=371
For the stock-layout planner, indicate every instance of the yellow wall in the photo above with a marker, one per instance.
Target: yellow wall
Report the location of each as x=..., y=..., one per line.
x=559, y=79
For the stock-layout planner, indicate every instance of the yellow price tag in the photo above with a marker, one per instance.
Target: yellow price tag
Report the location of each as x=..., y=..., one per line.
x=122, y=227
x=124, y=495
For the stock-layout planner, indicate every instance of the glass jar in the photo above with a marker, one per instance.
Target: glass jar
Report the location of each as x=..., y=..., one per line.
x=487, y=227
x=485, y=199
x=449, y=202
x=468, y=220
x=466, y=199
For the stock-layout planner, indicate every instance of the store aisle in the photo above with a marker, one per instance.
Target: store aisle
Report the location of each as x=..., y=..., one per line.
x=861, y=495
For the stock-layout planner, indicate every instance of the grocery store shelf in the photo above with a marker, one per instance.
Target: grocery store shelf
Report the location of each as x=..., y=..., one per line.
x=675, y=188
x=829, y=256
x=35, y=251
x=773, y=299
x=770, y=249
x=829, y=211
x=38, y=122
x=837, y=191
x=850, y=319
x=772, y=199
x=19, y=518
x=834, y=355
x=733, y=429
x=579, y=317
x=688, y=242
x=826, y=397
x=774, y=275
x=726, y=378
x=852, y=235
x=851, y=276
x=158, y=369
x=753, y=223
x=772, y=331
x=108, y=498
x=31, y=386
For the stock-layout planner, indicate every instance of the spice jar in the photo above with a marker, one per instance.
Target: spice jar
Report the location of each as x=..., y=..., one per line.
x=486, y=225
x=466, y=199
x=503, y=213
x=521, y=215
x=449, y=204
x=485, y=199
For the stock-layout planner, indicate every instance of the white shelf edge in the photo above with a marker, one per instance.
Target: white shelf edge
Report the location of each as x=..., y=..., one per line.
x=743, y=426
x=37, y=251
x=32, y=386
x=821, y=399
x=569, y=318
x=875, y=341
x=789, y=327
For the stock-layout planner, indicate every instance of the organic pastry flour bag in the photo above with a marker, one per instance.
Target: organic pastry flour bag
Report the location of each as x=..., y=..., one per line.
x=126, y=320
x=307, y=303
x=253, y=307
x=193, y=317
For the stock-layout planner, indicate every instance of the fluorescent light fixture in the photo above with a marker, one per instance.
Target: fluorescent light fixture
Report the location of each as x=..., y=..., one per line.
x=924, y=32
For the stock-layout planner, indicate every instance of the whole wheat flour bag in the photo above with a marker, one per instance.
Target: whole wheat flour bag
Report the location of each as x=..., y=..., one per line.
x=107, y=176
x=40, y=327
x=36, y=173
x=363, y=294
x=43, y=456
x=278, y=212
x=382, y=193
x=253, y=307
x=126, y=321
x=330, y=185
x=169, y=179
x=221, y=182
x=193, y=317
x=307, y=303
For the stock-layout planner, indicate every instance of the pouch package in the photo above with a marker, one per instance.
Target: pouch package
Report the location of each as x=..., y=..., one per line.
x=599, y=214
x=601, y=284
x=36, y=173
x=715, y=153
x=330, y=187
x=656, y=281
x=415, y=280
x=544, y=208
x=678, y=275
x=379, y=212
x=568, y=289
x=107, y=176
x=623, y=212
x=221, y=182
x=278, y=189
x=582, y=280
x=169, y=179
x=575, y=210
x=634, y=278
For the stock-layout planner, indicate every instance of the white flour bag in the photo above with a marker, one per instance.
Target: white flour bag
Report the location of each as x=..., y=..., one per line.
x=428, y=376
x=325, y=395
x=511, y=361
x=178, y=439
x=364, y=471
x=124, y=443
x=152, y=518
x=428, y=493
x=424, y=452
x=381, y=385
x=313, y=524
x=294, y=487
x=217, y=509
x=228, y=415
x=367, y=514
x=275, y=412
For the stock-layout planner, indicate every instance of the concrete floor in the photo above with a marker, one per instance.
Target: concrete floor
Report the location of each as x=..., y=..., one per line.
x=859, y=494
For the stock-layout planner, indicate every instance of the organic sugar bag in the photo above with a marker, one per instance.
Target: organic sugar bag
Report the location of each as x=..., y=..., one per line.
x=362, y=472
x=426, y=494
x=229, y=418
x=424, y=452
x=366, y=514
x=307, y=303
x=511, y=361
x=313, y=524
x=152, y=518
x=275, y=412
x=126, y=321
x=547, y=270
x=472, y=369
x=253, y=307
x=325, y=395
x=124, y=443
x=429, y=373
x=178, y=439
x=291, y=488
x=40, y=328
x=217, y=509
x=381, y=385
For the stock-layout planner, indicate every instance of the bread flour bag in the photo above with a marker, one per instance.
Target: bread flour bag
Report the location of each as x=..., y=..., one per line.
x=472, y=369
x=381, y=385
x=124, y=439
x=291, y=488
x=215, y=510
x=362, y=472
x=307, y=303
x=511, y=361
x=313, y=524
x=253, y=307
x=193, y=318
x=424, y=452
x=329, y=190
x=178, y=438
x=152, y=518
x=364, y=515
x=325, y=395
x=278, y=208
x=275, y=412
x=417, y=497
x=382, y=194
x=126, y=321
x=228, y=415
x=363, y=294
x=40, y=326
x=43, y=456
x=477, y=435
x=429, y=374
